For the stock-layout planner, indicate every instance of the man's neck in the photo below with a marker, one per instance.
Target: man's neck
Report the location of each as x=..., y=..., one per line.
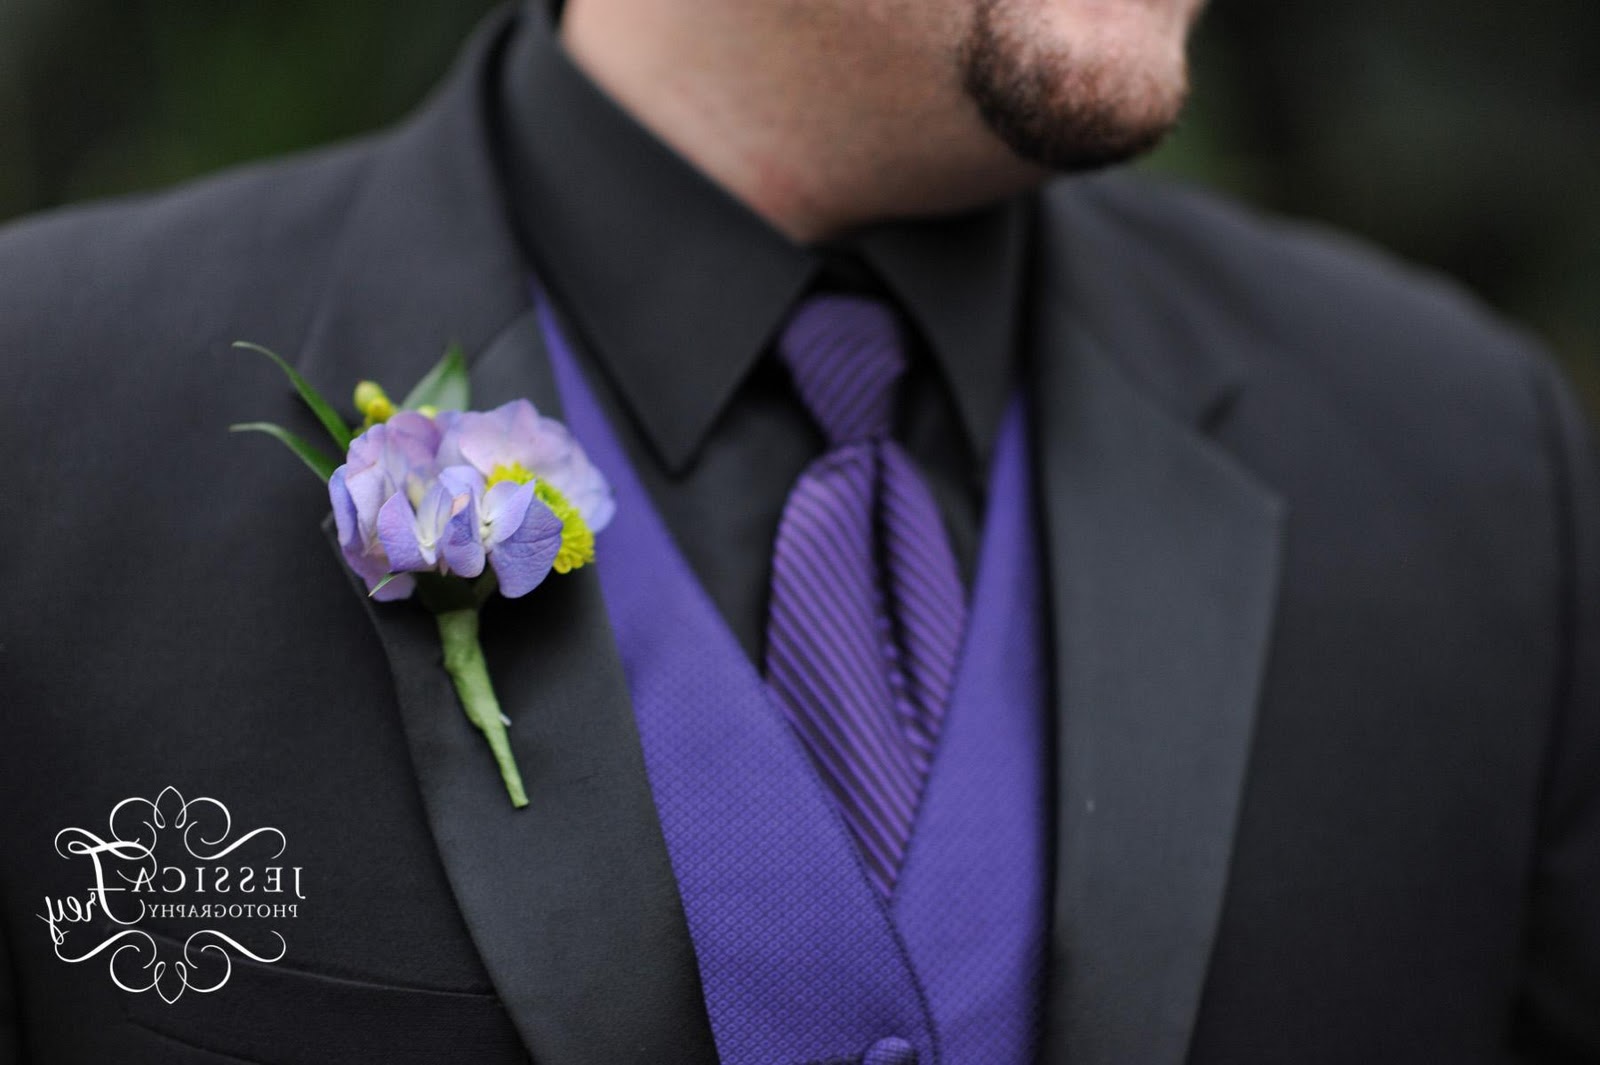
x=800, y=117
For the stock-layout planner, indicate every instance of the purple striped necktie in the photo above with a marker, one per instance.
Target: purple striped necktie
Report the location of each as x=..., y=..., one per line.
x=867, y=609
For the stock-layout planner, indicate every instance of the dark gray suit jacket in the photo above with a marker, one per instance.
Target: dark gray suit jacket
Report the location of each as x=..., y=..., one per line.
x=1323, y=551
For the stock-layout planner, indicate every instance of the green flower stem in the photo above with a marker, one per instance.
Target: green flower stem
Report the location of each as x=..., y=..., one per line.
x=463, y=660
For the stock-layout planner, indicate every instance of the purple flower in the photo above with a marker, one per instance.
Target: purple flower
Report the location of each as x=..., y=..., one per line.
x=393, y=458
x=514, y=442
x=518, y=534
x=438, y=533
x=454, y=493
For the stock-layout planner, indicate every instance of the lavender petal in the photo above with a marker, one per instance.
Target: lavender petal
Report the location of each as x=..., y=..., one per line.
x=397, y=531
x=523, y=559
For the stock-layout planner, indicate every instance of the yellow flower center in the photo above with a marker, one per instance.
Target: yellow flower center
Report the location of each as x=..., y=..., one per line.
x=577, y=540
x=516, y=473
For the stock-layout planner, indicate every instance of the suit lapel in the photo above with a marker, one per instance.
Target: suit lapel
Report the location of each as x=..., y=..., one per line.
x=1163, y=558
x=571, y=902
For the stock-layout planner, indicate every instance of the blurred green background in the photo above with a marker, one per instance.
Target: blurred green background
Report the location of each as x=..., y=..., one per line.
x=1465, y=136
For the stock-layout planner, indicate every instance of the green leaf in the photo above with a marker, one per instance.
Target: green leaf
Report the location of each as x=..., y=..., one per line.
x=320, y=464
x=445, y=387
x=376, y=588
x=337, y=429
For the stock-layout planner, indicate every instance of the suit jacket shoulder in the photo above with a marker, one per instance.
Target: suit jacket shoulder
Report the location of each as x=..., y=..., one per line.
x=1265, y=327
x=104, y=296
x=1220, y=270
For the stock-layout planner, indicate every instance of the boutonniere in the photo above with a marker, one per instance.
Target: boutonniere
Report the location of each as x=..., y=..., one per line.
x=448, y=506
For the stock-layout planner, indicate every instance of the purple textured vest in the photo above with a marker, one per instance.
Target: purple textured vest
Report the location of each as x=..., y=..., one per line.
x=801, y=960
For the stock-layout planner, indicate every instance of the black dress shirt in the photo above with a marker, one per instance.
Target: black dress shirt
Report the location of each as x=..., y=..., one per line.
x=672, y=292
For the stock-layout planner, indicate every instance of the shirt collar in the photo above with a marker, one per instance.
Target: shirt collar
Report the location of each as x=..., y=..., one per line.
x=679, y=288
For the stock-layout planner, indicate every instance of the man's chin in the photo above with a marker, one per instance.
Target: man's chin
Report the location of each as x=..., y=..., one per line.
x=1076, y=140
x=1063, y=111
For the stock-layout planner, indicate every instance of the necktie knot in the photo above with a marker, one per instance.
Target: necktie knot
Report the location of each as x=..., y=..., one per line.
x=845, y=355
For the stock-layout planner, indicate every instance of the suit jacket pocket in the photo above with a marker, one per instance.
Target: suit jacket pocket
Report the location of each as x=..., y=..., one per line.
x=277, y=1015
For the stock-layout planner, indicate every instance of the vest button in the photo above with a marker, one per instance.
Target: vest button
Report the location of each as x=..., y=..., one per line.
x=890, y=1051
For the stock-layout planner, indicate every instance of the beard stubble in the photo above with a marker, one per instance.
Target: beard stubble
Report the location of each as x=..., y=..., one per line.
x=1058, y=109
